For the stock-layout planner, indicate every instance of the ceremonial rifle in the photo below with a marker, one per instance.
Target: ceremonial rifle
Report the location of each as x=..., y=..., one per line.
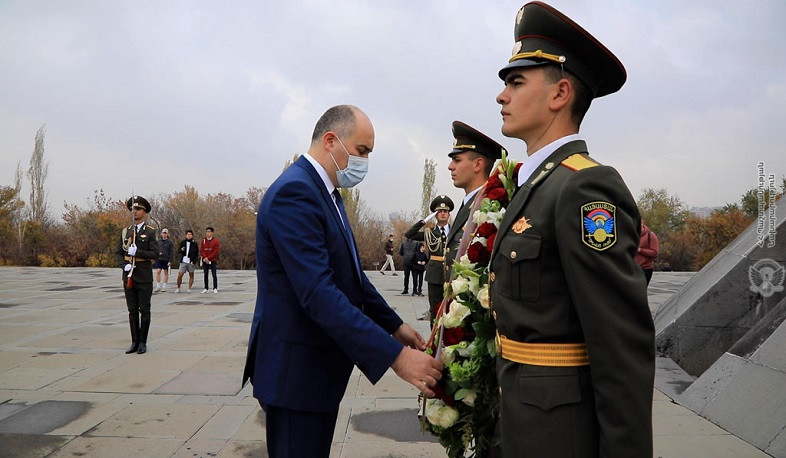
x=130, y=278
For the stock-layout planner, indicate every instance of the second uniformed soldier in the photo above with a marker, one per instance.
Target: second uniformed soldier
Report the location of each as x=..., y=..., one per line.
x=137, y=251
x=575, y=333
x=471, y=162
x=434, y=239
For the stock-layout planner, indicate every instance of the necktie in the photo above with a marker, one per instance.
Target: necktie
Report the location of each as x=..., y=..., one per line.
x=442, y=230
x=347, y=229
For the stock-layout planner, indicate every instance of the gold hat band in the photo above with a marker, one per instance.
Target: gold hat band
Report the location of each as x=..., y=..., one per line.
x=538, y=54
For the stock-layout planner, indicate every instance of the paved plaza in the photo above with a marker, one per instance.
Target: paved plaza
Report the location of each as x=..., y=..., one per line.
x=68, y=389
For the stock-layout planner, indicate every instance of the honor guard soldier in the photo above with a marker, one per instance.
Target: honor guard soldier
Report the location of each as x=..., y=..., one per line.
x=137, y=251
x=435, y=240
x=574, y=330
x=471, y=162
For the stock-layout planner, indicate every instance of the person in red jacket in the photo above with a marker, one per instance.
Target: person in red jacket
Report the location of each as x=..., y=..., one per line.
x=209, y=250
x=647, y=252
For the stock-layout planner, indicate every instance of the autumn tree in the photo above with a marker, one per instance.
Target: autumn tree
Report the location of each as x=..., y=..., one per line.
x=662, y=212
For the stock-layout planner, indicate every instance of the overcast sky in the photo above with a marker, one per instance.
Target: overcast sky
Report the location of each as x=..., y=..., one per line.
x=156, y=95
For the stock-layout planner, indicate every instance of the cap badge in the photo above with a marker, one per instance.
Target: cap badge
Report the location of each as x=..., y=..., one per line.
x=521, y=225
x=516, y=48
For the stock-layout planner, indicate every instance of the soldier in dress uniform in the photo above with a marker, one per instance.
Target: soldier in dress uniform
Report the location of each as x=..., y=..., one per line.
x=574, y=330
x=435, y=241
x=137, y=251
x=471, y=162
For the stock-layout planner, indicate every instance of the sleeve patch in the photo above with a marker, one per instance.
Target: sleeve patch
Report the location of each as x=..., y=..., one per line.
x=599, y=231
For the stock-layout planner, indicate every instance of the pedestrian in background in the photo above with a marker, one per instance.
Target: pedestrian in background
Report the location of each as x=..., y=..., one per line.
x=647, y=252
x=166, y=251
x=388, y=256
x=209, y=250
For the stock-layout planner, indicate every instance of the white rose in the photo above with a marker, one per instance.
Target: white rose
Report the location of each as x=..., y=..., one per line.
x=474, y=285
x=469, y=397
x=440, y=414
x=460, y=285
x=465, y=262
x=483, y=297
x=456, y=315
x=480, y=218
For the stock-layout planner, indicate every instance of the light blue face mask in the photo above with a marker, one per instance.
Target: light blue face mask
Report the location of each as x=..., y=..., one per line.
x=356, y=169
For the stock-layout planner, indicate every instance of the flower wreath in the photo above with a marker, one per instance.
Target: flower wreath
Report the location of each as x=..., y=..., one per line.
x=464, y=411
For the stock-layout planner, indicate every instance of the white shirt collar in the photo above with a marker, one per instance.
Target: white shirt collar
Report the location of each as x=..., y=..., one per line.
x=322, y=173
x=471, y=194
x=533, y=162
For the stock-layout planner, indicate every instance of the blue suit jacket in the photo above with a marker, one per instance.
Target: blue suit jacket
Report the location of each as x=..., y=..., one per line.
x=315, y=315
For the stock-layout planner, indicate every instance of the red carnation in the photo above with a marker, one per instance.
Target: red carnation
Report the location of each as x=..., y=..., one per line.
x=490, y=242
x=452, y=336
x=499, y=194
x=494, y=182
x=516, y=169
x=441, y=394
x=485, y=230
x=478, y=254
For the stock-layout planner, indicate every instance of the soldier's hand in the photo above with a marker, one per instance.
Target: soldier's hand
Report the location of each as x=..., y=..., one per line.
x=409, y=337
x=419, y=369
x=430, y=217
x=127, y=267
x=132, y=250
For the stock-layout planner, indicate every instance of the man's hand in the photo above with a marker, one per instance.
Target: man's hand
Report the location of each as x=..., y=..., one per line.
x=132, y=250
x=419, y=369
x=430, y=217
x=127, y=267
x=409, y=337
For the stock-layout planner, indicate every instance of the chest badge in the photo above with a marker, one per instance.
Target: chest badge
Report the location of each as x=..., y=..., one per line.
x=521, y=225
x=599, y=231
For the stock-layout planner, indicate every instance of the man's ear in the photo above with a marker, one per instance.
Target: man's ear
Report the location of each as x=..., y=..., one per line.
x=562, y=94
x=478, y=164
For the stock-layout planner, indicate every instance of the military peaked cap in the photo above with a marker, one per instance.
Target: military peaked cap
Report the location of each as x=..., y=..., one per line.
x=138, y=202
x=467, y=138
x=441, y=202
x=545, y=36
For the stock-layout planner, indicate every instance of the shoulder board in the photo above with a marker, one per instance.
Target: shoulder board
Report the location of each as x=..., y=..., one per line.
x=578, y=162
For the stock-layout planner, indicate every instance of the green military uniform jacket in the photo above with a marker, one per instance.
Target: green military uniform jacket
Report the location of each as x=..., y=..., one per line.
x=435, y=246
x=558, y=276
x=146, y=252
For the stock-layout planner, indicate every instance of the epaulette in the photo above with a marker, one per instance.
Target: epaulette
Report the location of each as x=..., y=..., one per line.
x=578, y=162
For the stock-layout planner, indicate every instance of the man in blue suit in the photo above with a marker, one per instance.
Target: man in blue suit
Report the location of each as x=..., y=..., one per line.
x=316, y=313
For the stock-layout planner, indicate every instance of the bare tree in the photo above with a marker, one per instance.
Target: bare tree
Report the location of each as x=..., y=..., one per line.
x=429, y=174
x=37, y=173
x=19, y=209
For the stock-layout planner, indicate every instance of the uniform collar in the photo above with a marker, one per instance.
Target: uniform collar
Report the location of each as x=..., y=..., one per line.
x=532, y=163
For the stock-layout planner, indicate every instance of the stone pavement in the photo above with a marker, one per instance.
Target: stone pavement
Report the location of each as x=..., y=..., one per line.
x=68, y=389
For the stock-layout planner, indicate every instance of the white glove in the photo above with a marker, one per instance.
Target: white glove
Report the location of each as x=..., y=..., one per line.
x=127, y=267
x=132, y=250
x=430, y=217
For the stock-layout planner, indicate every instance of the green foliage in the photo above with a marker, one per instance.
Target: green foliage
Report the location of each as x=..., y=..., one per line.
x=662, y=212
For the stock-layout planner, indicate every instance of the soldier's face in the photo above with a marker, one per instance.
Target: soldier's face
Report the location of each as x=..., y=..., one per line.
x=443, y=216
x=463, y=169
x=525, y=108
